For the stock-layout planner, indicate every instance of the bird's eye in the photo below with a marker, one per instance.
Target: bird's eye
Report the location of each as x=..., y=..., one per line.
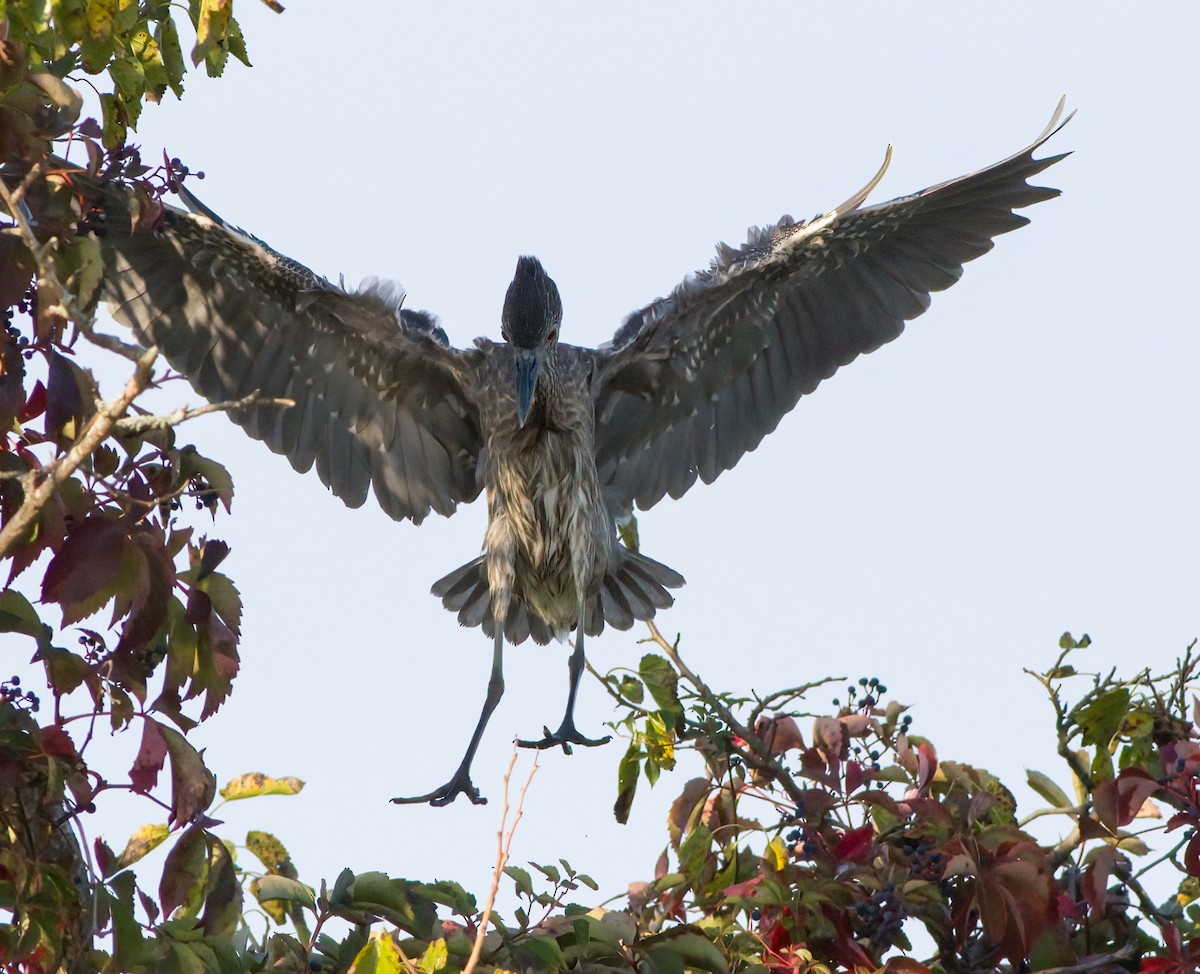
x=553, y=336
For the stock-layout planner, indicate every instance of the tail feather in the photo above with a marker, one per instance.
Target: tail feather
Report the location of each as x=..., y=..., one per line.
x=634, y=588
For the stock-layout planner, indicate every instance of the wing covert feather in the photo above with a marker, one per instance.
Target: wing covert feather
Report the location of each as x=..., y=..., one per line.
x=382, y=401
x=693, y=381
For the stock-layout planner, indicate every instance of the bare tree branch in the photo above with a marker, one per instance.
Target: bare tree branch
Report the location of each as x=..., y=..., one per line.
x=504, y=846
x=140, y=424
x=41, y=484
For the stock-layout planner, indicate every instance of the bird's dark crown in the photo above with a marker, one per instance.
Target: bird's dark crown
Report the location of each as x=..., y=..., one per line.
x=532, y=307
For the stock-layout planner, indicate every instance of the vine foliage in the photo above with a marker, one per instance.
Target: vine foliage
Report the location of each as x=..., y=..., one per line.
x=810, y=835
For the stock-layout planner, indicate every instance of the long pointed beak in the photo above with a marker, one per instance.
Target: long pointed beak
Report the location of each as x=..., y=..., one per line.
x=528, y=363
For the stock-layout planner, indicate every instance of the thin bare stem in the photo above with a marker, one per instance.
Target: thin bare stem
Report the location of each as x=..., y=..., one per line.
x=41, y=485
x=758, y=755
x=503, y=847
x=1075, y=810
x=613, y=692
x=140, y=424
x=781, y=698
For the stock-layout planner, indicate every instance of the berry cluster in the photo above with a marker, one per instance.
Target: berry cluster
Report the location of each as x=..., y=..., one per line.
x=925, y=861
x=11, y=693
x=205, y=496
x=872, y=691
x=93, y=645
x=881, y=918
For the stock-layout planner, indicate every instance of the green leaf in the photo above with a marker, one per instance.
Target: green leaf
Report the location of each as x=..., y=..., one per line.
x=130, y=81
x=550, y=872
x=583, y=935
x=114, y=121
x=193, y=464
x=267, y=888
x=695, y=949
x=695, y=851
x=394, y=900
x=254, y=784
x=546, y=954
x=128, y=945
x=144, y=840
x=236, y=42
x=97, y=45
x=521, y=879
x=1103, y=715
x=17, y=615
x=663, y=683
x=1047, y=789
x=627, y=781
x=167, y=36
x=631, y=688
x=223, y=900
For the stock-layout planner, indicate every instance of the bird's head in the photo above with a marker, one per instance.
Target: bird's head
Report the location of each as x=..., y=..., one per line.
x=530, y=320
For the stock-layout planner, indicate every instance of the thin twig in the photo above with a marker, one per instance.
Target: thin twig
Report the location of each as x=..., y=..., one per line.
x=1075, y=810
x=614, y=693
x=503, y=846
x=140, y=424
x=98, y=428
x=405, y=959
x=760, y=755
x=47, y=274
x=781, y=698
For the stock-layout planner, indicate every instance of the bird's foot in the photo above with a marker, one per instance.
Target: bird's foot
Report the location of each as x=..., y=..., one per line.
x=565, y=736
x=460, y=784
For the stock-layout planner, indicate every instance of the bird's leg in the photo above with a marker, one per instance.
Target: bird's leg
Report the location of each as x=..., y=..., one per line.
x=566, y=735
x=460, y=783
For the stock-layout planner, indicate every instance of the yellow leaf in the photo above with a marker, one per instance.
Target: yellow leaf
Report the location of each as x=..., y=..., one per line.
x=379, y=956
x=146, y=838
x=434, y=958
x=776, y=854
x=255, y=783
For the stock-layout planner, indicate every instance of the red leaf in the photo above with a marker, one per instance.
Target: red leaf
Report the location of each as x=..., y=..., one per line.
x=742, y=889
x=1106, y=804
x=1191, y=856
x=855, y=845
x=1068, y=908
x=694, y=794
x=83, y=575
x=151, y=596
x=106, y=859
x=1134, y=786
x=150, y=758
x=35, y=405
x=1171, y=939
x=905, y=965
x=1095, y=880
x=212, y=553
x=781, y=734
x=57, y=743
x=854, y=777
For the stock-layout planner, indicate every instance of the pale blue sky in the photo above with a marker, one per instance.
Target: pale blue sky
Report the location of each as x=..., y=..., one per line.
x=1021, y=462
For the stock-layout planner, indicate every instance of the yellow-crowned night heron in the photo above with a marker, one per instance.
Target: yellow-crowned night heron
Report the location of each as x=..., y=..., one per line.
x=564, y=439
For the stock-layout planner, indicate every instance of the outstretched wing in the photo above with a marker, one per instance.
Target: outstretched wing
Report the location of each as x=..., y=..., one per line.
x=693, y=381
x=381, y=399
